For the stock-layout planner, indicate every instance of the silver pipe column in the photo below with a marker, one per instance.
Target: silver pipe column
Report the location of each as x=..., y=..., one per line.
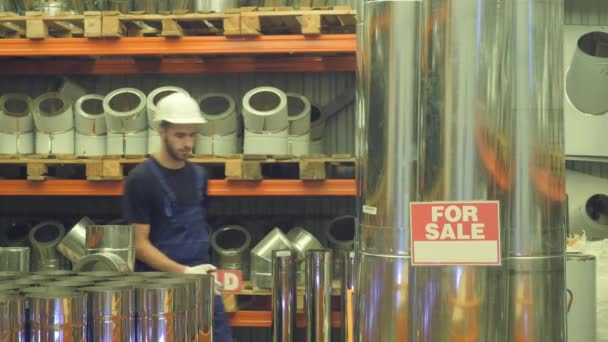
x=389, y=70
x=284, y=267
x=317, y=300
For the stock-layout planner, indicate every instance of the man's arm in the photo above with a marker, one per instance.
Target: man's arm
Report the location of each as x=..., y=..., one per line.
x=147, y=253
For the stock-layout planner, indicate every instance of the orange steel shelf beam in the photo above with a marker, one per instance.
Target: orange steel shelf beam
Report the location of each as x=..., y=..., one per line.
x=263, y=319
x=215, y=45
x=219, y=188
x=131, y=66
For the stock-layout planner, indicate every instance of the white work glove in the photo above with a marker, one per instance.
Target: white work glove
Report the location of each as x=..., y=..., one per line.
x=206, y=269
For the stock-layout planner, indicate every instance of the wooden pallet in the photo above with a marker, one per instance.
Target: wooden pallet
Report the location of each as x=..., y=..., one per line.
x=115, y=24
x=35, y=25
x=237, y=167
x=257, y=21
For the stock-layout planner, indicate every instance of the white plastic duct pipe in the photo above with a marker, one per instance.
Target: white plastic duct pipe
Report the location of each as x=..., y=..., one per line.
x=16, y=124
x=152, y=100
x=125, y=110
x=266, y=122
x=220, y=111
x=54, y=120
x=587, y=205
x=90, y=126
x=298, y=111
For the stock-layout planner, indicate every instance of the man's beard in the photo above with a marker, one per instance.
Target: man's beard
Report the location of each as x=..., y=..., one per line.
x=175, y=155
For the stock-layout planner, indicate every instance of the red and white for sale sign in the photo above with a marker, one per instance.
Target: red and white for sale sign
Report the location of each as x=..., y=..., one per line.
x=455, y=233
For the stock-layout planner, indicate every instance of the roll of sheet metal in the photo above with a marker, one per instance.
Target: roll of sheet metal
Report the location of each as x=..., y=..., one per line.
x=161, y=312
x=53, y=113
x=15, y=234
x=17, y=143
x=112, y=313
x=55, y=143
x=261, y=257
x=299, y=145
x=12, y=317
x=44, y=239
x=16, y=114
x=72, y=246
x=105, y=262
x=115, y=239
x=298, y=112
x=318, y=295
x=347, y=296
x=215, y=5
x=89, y=115
x=581, y=284
x=283, y=295
x=231, y=247
x=126, y=144
x=217, y=145
x=15, y=259
x=125, y=110
x=271, y=143
x=341, y=236
x=220, y=111
x=156, y=95
x=265, y=110
x=58, y=316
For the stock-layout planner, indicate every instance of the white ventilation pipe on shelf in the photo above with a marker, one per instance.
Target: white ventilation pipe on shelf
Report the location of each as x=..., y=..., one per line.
x=219, y=135
x=16, y=124
x=152, y=100
x=54, y=120
x=266, y=121
x=126, y=121
x=90, y=126
x=298, y=111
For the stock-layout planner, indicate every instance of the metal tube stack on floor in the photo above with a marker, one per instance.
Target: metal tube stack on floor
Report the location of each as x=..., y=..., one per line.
x=206, y=309
x=317, y=300
x=16, y=124
x=161, y=312
x=283, y=295
x=12, y=317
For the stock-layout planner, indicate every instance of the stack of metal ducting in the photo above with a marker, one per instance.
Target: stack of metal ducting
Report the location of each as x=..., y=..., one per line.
x=16, y=124
x=126, y=122
x=317, y=299
x=14, y=259
x=219, y=136
x=108, y=248
x=90, y=126
x=44, y=239
x=261, y=257
x=58, y=315
x=54, y=119
x=298, y=111
x=231, y=249
x=72, y=246
x=111, y=313
x=302, y=241
x=156, y=95
x=161, y=312
x=266, y=121
x=341, y=237
x=317, y=130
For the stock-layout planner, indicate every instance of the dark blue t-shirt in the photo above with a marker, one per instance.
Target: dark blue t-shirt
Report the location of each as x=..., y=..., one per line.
x=143, y=197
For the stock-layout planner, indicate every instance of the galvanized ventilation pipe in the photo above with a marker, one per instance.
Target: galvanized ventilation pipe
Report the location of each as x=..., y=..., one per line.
x=58, y=315
x=231, y=248
x=341, y=237
x=72, y=246
x=161, y=312
x=44, y=238
x=219, y=136
x=190, y=322
x=154, y=96
x=126, y=121
x=318, y=295
x=298, y=111
x=302, y=241
x=111, y=312
x=261, y=257
x=118, y=240
x=12, y=316
x=266, y=121
x=90, y=126
x=283, y=295
x=14, y=259
x=16, y=124
x=54, y=120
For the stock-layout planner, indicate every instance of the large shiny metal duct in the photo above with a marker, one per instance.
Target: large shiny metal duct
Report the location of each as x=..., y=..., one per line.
x=388, y=76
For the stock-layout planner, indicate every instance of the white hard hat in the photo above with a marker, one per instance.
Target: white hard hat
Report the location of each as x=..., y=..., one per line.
x=178, y=108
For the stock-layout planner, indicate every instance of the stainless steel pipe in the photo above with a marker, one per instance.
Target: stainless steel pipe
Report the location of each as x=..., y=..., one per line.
x=111, y=312
x=206, y=309
x=44, y=238
x=161, y=312
x=58, y=316
x=317, y=300
x=14, y=259
x=190, y=282
x=118, y=240
x=12, y=317
x=231, y=247
x=72, y=246
x=347, y=288
x=284, y=269
x=341, y=237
